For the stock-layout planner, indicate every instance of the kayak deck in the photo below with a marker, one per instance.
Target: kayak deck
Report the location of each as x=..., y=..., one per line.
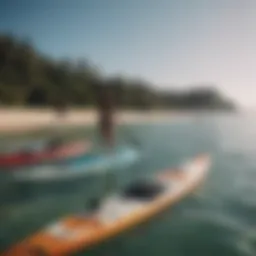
x=33, y=156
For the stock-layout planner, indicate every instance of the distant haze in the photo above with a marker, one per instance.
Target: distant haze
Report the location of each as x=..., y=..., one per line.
x=169, y=43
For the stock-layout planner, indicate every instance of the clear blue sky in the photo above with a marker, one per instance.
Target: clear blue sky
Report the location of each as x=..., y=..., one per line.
x=170, y=43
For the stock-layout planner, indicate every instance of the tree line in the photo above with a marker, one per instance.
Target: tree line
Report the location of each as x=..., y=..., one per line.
x=28, y=78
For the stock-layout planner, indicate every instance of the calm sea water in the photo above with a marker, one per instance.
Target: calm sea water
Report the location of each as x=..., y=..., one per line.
x=219, y=219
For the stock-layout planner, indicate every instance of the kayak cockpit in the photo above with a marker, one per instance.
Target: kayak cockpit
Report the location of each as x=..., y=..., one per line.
x=135, y=197
x=144, y=190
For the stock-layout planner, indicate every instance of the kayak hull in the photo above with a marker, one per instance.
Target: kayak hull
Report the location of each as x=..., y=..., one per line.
x=87, y=164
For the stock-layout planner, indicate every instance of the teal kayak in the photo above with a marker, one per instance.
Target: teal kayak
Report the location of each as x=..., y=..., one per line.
x=95, y=163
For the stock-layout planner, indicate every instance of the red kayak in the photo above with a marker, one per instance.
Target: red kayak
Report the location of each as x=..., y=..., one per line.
x=47, y=154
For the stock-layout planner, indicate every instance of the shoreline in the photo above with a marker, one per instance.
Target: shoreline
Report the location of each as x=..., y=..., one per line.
x=24, y=120
x=15, y=120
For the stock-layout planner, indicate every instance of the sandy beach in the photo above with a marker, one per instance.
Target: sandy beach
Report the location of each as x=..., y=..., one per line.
x=17, y=120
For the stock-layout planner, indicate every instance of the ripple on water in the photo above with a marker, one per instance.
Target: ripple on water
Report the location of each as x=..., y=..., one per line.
x=218, y=220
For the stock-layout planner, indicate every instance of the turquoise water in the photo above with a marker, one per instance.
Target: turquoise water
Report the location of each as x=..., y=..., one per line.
x=219, y=219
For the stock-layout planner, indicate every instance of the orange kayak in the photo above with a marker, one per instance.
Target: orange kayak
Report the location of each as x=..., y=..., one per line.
x=141, y=201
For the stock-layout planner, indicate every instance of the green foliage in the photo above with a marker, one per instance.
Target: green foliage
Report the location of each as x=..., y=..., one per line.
x=29, y=79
